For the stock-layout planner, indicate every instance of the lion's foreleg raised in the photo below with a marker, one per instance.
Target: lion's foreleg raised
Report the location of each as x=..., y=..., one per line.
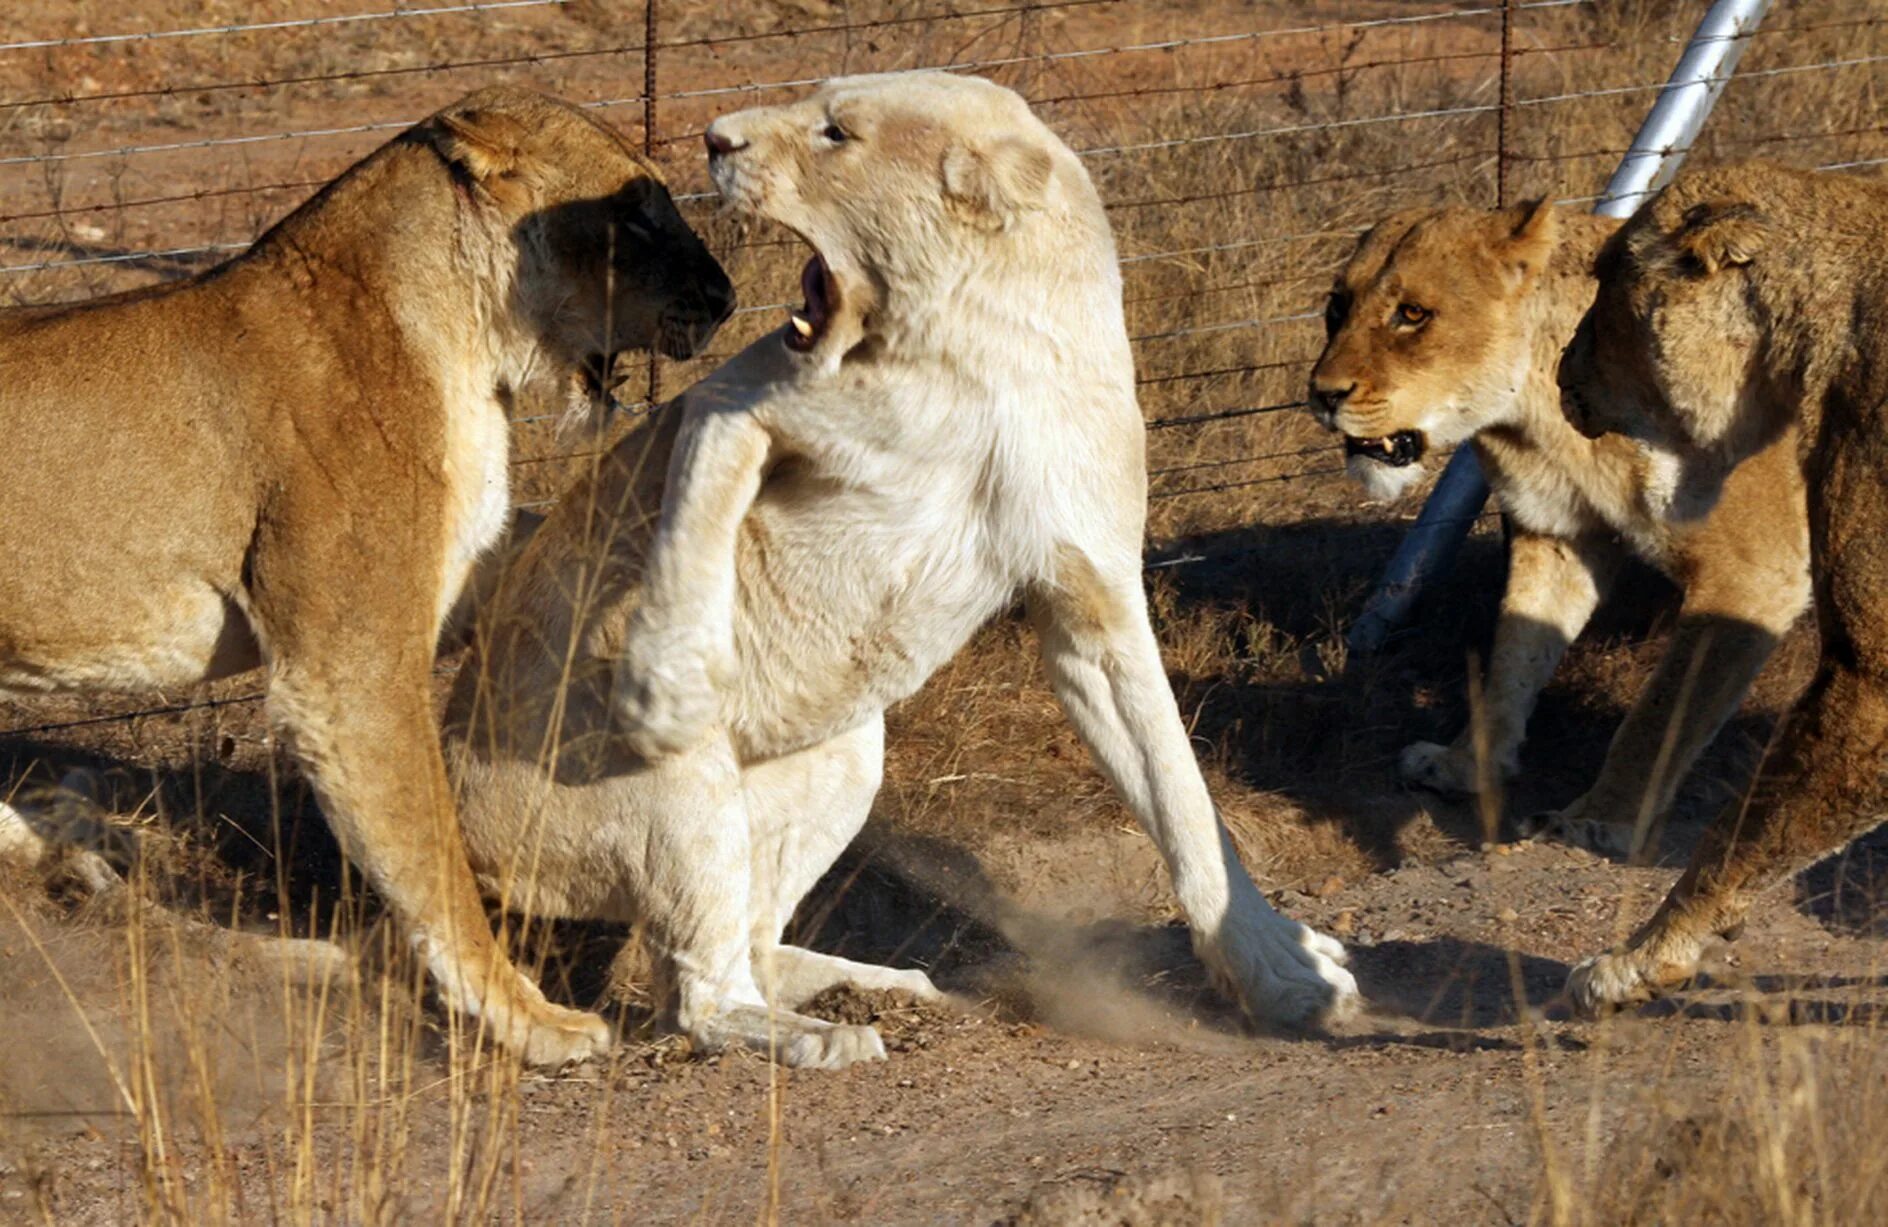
x=1554, y=584
x=679, y=648
x=1105, y=666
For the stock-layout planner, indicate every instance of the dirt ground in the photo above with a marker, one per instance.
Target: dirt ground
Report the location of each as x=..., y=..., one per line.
x=152, y=1067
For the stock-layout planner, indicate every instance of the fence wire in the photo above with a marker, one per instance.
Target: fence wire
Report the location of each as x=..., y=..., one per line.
x=1241, y=152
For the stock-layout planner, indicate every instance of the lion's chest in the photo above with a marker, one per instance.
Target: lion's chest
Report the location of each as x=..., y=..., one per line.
x=1573, y=495
x=477, y=476
x=849, y=600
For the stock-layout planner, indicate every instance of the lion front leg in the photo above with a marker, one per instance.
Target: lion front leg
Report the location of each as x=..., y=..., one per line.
x=1105, y=666
x=1554, y=584
x=1704, y=675
x=678, y=651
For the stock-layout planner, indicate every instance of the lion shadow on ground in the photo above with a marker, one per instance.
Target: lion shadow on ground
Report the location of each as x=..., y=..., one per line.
x=1298, y=717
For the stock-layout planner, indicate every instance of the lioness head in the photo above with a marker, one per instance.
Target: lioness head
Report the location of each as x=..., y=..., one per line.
x=1671, y=351
x=600, y=261
x=911, y=188
x=1425, y=344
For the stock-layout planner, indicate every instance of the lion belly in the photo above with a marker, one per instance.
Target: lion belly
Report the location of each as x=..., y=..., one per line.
x=154, y=639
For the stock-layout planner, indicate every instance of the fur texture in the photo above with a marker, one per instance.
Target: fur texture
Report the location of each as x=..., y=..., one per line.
x=839, y=517
x=316, y=456
x=1743, y=306
x=1498, y=294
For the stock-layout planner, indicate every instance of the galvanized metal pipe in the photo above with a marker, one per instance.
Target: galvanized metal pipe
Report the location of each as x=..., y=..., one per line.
x=1430, y=547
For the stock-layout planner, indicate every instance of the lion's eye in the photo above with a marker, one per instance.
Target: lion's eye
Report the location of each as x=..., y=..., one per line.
x=836, y=134
x=1409, y=315
x=1336, y=307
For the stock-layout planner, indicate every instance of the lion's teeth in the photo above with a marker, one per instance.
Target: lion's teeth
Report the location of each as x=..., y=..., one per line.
x=801, y=324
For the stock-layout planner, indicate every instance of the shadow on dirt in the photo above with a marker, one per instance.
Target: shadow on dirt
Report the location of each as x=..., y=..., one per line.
x=1302, y=721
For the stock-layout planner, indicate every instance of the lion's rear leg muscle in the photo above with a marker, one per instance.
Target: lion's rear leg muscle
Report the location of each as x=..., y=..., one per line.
x=696, y=896
x=1554, y=584
x=803, y=809
x=373, y=755
x=1823, y=785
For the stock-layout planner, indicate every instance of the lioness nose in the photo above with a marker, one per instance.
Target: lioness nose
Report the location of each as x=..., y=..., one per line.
x=1327, y=399
x=720, y=143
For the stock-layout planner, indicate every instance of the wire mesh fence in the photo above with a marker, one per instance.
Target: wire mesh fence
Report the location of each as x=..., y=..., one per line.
x=1241, y=149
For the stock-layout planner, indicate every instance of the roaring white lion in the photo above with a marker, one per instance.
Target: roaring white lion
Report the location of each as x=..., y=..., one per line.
x=675, y=713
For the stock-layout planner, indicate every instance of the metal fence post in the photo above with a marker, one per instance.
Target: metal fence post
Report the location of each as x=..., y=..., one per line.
x=1433, y=541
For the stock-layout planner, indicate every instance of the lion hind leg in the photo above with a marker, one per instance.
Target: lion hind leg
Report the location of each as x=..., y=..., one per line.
x=697, y=894
x=1824, y=788
x=791, y=976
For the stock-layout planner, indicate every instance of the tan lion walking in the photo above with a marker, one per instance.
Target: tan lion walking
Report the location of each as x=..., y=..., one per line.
x=1745, y=303
x=1446, y=326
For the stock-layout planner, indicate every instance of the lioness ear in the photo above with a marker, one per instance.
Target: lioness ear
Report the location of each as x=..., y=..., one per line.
x=996, y=182
x=482, y=144
x=1533, y=230
x=1720, y=236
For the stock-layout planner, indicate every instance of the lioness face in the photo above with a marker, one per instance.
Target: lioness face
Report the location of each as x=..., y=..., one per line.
x=898, y=182
x=1423, y=345
x=604, y=262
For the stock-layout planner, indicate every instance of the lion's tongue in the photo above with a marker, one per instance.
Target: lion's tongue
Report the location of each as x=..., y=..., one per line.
x=809, y=322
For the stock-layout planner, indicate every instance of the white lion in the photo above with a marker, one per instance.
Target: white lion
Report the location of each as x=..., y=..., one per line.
x=948, y=421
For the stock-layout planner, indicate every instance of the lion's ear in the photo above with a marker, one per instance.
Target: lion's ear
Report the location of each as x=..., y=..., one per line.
x=997, y=181
x=1720, y=236
x=484, y=145
x=1531, y=232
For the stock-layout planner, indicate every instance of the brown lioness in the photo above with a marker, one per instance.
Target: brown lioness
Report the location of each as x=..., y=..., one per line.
x=294, y=459
x=1447, y=325
x=1745, y=304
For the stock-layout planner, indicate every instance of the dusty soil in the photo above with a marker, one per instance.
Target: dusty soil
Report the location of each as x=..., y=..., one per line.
x=1097, y=1056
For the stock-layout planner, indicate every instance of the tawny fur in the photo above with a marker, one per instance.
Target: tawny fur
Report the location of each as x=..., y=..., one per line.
x=680, y=719
x=1503, y=292
x=295, y=459
x=1744, y=306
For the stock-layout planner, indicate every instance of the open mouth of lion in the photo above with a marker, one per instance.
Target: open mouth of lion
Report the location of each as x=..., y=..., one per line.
x=1399, y=450
x=808, y=324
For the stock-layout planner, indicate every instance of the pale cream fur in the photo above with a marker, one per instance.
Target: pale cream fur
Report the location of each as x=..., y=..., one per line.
x=680, y=720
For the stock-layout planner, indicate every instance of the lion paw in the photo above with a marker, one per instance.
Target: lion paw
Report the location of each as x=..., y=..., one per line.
x=667, y=689
x=545, y=1034
x=1285, y=972
x=1438, y=768
x=836, y=1047
x=1608, y=982
x=1622, y=978
x=1572, y=826
x=794, y=1040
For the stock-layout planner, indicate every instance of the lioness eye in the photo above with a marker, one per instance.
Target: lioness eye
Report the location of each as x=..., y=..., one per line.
x=1336, y=307
x=836, y=134
x=1410, y=315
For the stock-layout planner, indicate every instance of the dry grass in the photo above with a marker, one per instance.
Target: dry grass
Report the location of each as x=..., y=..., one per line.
x=247, y=1091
